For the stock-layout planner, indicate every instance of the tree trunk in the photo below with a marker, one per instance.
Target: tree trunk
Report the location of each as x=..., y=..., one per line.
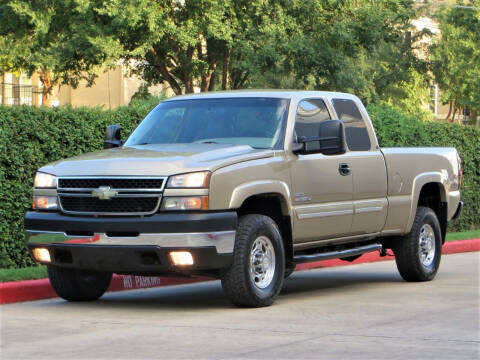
x=449, y=110
x=213, y=78
x=454, y=111
x=205, y=81
x=187, y=78
x=226, y=64
x=208, y=77
x=473, y=117
x=243, y=80
x=188, y=82
x=47, y=86
x=159, y=63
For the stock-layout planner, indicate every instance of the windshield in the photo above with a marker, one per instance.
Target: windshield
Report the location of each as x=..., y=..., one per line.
x=258, y=122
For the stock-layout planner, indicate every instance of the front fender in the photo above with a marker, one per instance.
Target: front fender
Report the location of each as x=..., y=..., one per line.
x=248, y=189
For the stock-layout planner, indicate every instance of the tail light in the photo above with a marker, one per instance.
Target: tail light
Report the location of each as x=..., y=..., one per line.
x=460, y=172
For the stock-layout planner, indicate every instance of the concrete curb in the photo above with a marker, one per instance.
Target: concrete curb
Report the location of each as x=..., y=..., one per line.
x=29, y=290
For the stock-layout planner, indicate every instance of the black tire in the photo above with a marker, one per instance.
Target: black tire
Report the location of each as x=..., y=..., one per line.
x=237, y=281
x=78, y=285
x=408, y=251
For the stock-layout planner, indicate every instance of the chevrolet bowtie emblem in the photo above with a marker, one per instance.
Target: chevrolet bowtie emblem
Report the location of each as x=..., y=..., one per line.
x=104, y=193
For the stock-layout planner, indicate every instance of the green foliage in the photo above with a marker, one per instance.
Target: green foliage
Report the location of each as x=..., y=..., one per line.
x=362, y=47
x=28, y=273
x=456, y=55
x=30, y=138
x=65, y=41
x=394, y=128
x=463, y=235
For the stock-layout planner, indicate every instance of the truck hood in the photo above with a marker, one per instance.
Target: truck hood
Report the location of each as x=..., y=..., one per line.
x=155, y=160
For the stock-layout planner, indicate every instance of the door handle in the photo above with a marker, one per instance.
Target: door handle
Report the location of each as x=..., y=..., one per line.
x=344, y=169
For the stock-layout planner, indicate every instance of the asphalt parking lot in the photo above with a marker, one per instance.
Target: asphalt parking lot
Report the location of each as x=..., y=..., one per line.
x=354, y=312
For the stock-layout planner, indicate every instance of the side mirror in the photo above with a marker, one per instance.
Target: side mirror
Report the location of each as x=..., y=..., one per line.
x=330, y=140
x=113, y=137
x=332, y=137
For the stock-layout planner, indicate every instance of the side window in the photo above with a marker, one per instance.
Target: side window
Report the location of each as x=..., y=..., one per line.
x=310, y=113
x=355, y=128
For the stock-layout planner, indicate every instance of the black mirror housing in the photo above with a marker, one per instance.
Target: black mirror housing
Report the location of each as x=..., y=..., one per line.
x=113, y=137
x=332, y=137
x=330, y=140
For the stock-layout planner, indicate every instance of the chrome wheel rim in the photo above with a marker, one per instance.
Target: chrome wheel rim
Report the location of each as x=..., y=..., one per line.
x=427, y=245
x=262, y=262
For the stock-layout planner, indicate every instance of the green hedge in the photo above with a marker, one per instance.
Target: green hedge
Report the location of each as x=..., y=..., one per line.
x=396, y=129
x=30, y=138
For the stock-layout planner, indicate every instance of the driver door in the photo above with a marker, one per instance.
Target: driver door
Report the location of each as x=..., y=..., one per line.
x=322, y=197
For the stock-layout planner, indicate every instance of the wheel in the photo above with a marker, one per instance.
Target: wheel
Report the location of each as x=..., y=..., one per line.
x=256, y=275
x=418, y=253
x=78, y=285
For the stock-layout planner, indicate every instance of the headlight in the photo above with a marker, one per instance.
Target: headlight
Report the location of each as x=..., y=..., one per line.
x=45, y=181
x=185, y=203
x=192, y=180
x=44, y=202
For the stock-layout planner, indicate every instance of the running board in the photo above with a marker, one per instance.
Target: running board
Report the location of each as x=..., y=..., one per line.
x=337, y=254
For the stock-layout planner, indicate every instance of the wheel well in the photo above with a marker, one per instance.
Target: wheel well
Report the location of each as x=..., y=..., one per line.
x=274, y=206
x=432, y=196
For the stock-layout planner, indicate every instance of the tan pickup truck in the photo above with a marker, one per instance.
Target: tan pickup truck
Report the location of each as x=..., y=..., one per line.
x=241, y=186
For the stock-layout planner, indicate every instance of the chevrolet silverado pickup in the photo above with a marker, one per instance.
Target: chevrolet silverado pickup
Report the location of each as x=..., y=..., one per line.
x=241, y=186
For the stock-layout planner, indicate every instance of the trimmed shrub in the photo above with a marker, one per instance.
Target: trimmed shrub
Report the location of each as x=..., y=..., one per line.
x=394, y=128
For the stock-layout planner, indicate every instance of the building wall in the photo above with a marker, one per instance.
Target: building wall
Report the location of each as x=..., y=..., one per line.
x=112, y=88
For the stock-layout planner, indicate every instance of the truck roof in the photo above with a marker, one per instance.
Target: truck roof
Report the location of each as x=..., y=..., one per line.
x=283, y=94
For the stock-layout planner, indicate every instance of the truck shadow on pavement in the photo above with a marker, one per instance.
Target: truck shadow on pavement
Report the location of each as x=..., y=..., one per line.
x=209, y=295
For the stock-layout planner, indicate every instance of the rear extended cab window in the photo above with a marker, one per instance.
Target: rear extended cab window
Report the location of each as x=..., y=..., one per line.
x=356, y=131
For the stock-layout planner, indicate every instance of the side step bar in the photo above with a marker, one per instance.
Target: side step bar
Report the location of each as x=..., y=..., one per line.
x=337, y=254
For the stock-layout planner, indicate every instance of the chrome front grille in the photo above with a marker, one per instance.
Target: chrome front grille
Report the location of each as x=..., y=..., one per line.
x=124, y=183
x=110, y=195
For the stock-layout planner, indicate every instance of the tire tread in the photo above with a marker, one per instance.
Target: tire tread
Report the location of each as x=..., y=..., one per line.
x=234, y=281
x=69, y=286
x=406, y=249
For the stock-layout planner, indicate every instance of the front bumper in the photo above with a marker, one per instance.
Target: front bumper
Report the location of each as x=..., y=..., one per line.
x=135, y=244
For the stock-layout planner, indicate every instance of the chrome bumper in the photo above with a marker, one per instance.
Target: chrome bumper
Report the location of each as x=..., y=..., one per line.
x=223, y=241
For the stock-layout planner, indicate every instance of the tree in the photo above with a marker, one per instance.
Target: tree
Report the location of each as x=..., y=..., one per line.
x=365, y=47
x=188, y=43
x=63, y=40
x=456, y=57
x=360, y=46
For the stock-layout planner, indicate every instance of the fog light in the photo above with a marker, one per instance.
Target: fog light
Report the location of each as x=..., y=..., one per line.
x=44, y=202
x=41, y=254
x=181, y=258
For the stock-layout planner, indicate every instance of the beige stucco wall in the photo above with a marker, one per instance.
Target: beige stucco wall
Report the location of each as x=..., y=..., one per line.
x=111, y=89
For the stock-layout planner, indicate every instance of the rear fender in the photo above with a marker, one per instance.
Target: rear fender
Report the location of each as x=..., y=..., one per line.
x=419, y=182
